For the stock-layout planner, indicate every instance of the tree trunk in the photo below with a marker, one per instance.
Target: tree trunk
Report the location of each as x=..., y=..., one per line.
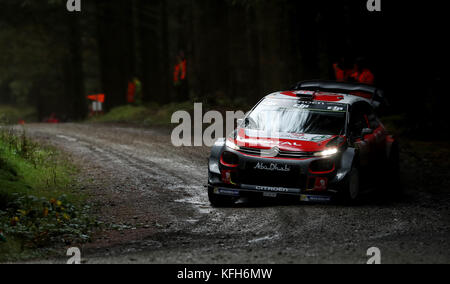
x=116, y=49
x=74, y=85
x=165, y=98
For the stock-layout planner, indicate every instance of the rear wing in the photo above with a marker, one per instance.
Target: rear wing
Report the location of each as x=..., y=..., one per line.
x=375, y=95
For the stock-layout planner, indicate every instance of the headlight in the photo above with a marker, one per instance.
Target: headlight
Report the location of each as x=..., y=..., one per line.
x=232, y=146
x=328, y=152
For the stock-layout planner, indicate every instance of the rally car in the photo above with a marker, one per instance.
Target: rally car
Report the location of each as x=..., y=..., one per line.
x=318, y=142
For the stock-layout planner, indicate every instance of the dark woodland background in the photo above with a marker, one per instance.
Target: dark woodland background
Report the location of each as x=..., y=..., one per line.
x=238, y=49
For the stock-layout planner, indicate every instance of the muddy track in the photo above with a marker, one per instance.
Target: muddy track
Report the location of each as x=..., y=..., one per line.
x=156, y=191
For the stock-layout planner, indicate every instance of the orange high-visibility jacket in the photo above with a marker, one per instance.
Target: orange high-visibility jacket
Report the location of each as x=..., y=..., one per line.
x=180, y=71
x=365, y=77
x=131, y=92
x=342, y=75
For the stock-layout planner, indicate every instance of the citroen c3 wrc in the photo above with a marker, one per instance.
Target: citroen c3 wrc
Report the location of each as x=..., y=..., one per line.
x=317, y=142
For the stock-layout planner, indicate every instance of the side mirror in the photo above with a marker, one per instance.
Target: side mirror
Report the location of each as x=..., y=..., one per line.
x=367, y=131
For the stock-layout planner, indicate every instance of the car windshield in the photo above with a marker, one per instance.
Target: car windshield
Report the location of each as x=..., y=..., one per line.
x=299, y=117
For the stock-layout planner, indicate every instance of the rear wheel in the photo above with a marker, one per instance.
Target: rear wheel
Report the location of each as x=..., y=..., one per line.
x=219, y=200
x=394, y=185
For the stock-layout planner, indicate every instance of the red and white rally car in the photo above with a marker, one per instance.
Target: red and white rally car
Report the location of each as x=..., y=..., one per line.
x=318, y=141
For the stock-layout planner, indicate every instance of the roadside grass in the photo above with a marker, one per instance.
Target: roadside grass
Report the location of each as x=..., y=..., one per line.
x=149, y=115
x=160, y=115
x=126, y=113
x=13, y=114
x=40, y=205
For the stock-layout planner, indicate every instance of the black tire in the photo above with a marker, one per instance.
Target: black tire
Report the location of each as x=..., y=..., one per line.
x=394, y=185
x=220, y=200
x=351, y=189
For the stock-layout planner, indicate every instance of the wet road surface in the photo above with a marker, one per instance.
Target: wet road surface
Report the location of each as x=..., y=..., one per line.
x=155, y=194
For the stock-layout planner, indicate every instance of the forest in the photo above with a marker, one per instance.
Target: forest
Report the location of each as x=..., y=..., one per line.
x=236, y=50
x=90, y=94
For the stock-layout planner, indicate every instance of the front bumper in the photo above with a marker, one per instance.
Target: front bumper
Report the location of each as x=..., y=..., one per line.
x=280, y=184
x=272, y=192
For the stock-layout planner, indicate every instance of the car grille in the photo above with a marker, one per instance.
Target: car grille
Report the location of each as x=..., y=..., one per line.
x=282, y=154
x=252, y=176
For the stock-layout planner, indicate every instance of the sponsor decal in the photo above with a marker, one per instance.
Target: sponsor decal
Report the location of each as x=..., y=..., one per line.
x=274, y=189
x=272, y=167
x=272, y=141
x=303, y=92
x=314, y=198
x=288, y=136
x=335, y=108
x=270, y=194
x=322, y=106
x=227, y=192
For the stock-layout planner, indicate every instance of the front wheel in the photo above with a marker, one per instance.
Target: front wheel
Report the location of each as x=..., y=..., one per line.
x=351, y=190
x=219, y=200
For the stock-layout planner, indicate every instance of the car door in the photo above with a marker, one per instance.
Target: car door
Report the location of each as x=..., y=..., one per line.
x=367, y=143
x=378, y=137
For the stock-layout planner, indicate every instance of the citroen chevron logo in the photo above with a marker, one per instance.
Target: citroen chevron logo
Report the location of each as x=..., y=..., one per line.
x=275, y=151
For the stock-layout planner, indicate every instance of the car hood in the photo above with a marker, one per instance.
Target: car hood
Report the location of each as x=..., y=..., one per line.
x=284, y=141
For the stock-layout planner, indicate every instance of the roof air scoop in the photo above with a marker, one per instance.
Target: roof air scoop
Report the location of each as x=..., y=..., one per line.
x=375, y=95
x=305, y=95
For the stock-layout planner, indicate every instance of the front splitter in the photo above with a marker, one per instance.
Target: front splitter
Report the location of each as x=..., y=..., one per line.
x=272, y=192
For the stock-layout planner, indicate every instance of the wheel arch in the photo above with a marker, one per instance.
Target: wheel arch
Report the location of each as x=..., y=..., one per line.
x=214, y=158
x=392, y=144
x=350, y=158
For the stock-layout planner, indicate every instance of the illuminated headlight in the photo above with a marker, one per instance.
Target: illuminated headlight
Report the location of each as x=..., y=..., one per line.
x=232, y=146
x=328, y=152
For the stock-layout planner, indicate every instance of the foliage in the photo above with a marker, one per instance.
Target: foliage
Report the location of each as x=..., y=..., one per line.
x=147, y=115
x=126, y=113
x=160, y=115
x=40, y=222
x=13, y=115
x=39, y=201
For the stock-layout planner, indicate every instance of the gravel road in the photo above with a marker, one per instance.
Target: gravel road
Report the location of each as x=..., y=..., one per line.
x=155, y=195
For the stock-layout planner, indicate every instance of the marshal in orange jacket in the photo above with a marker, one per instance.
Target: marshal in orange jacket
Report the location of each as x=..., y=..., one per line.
x=179, y=73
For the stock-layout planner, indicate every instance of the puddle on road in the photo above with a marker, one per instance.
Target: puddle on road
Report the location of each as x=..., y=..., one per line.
x=266, y=238
x=198, y=201
x=98, y=149
x=67, y=138
x=202, y=207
